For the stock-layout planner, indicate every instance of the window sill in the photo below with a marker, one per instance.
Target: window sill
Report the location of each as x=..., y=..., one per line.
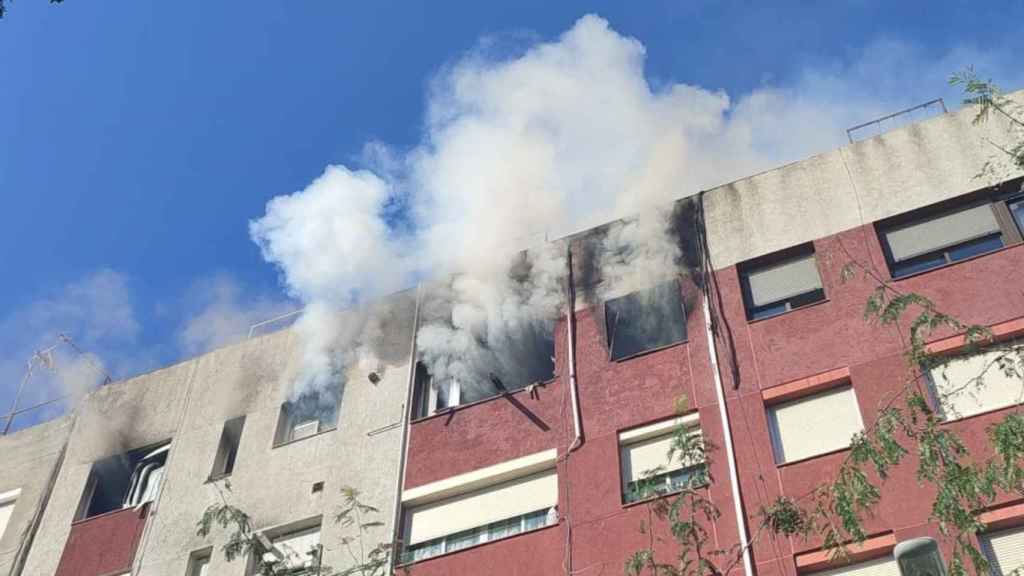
x=453, y=409
x=479, y=545
x=788, y=312
x=646, y=352
x=217, y=478
x=946, y=421
x=812, y=457
x=297, y=440
x=950, y=264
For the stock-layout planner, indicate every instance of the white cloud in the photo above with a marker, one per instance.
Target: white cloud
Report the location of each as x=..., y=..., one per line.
x=220, y=312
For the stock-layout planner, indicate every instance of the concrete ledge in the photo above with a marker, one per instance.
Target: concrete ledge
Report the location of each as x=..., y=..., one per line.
x=873, y=547
x=480, y=478
x=657, y=428
x=1001, y=331
x=803, y=386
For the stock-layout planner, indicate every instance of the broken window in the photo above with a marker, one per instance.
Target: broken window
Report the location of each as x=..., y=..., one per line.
x=433, y=395
x=645, y=320
x=293, y=553
x=227, y=450
x=124, y=481
x=313, y=412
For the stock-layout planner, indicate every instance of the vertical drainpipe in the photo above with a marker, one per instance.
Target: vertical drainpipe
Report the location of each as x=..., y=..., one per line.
x=406, y=410
x=570, y=333
x=741, y=519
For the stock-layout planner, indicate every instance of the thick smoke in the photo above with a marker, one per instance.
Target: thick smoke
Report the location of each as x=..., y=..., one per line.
x=519, y=149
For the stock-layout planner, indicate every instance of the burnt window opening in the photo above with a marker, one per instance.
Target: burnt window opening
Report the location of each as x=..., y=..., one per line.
x=227, y=449
x=645, y=320
x=127, y=480
x=313, y=412
x=531, y=362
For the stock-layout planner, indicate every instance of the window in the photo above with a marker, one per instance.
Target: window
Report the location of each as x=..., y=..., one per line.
x=483, y=515
x=885, y=566
x=7, y=502
x=649, y=466
x=977, y=383
x=814, y=424
x=645, y=320
x=227, y=450
x=124, y=481
x=1004, y=550
x=199, y=563
x=786, y=281
x=1017, y=209
x=294, y=553
x=311, y=413
x=936, y=237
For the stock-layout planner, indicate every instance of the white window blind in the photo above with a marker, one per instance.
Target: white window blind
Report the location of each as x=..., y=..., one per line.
x=885, y=566
x=479, y=508
x=1004, y=550
x=941, y=232
x=974, y=384
x=783, y=280
x=814, y=424
x=645, y=449
x=7, y=502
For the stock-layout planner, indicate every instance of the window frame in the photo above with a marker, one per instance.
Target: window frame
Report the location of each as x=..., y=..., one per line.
x=482, y=535
x=998, y=200
x=774, y=436
x=652, y=432
x=227, y=456
x=284, y=433
x=197, y=556
x=790, y=304
x=8, y=498
x=609, y=334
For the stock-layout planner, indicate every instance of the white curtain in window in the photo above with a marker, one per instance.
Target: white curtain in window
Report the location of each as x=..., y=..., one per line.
x=814, y=424
x=481, y=507
x=941, y=231
x=962, y=394
x=886, y=566
x=1004, y=550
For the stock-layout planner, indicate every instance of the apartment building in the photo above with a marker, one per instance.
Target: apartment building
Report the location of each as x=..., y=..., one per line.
x=757, y=343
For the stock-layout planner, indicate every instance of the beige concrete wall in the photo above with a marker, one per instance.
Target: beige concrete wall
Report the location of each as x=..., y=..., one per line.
x=869, y=180
x=27, y=460
x=189, y=403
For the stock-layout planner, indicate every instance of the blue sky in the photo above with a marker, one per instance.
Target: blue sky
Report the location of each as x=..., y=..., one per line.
x=141, y=137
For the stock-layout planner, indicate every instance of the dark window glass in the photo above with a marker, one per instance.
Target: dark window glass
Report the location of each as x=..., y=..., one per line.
x=1017, y=209
x=645, y=320
x=227, y=450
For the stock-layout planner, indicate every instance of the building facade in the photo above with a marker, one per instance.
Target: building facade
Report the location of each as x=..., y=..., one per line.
x=758, y=344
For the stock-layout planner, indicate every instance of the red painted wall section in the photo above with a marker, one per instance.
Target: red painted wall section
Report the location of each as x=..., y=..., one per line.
x=753, y=356
x=103, y=544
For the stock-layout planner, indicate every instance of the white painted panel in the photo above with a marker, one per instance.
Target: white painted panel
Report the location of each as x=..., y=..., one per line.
x=814, y=424
x=940, y=232
x=479, y=508
x=783, y=280
x=886, y=566
x=6, y=509
x=973, y=384
x=1004, y=550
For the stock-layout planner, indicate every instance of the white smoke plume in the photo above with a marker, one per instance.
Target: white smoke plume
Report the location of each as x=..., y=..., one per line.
x=555, y=138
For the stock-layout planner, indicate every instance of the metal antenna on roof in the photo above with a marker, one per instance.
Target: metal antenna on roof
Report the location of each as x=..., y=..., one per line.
x=44, y=359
